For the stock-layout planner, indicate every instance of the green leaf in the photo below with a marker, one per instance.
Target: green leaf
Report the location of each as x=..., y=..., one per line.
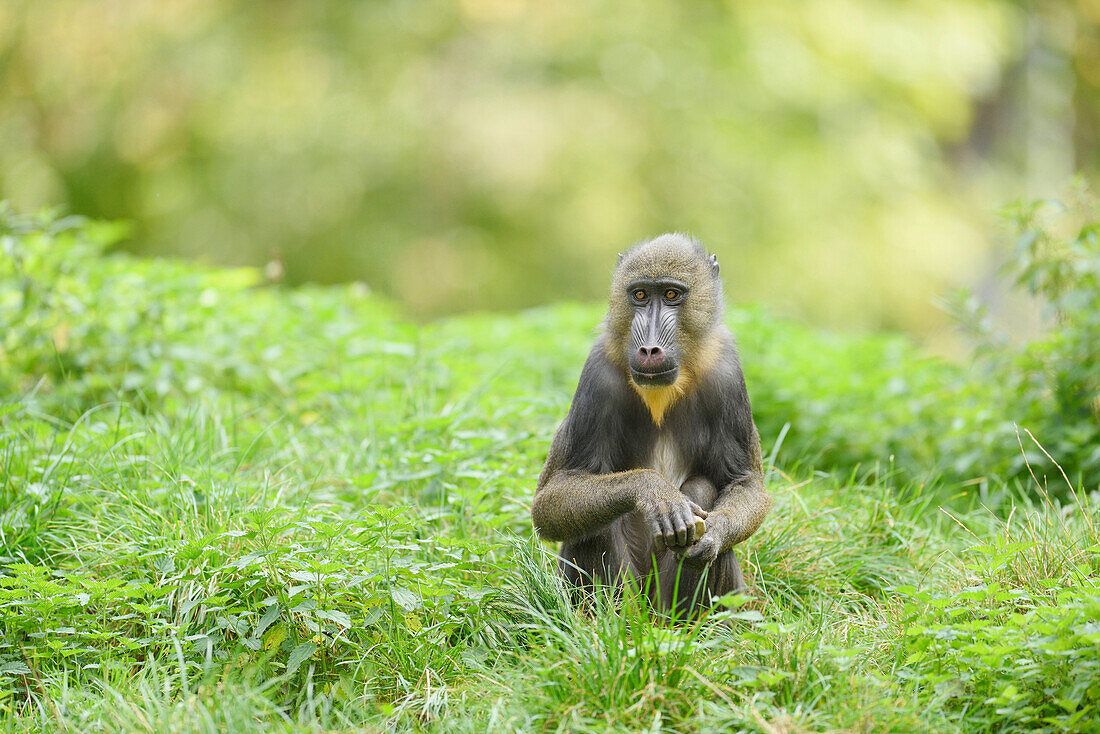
x=298, y=655
x=268, y=619
x=749, y=615
x=404, y=598
x=14, y=668
x=340, y=618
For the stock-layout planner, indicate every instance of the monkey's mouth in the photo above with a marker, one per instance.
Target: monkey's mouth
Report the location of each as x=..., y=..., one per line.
x=654, y=379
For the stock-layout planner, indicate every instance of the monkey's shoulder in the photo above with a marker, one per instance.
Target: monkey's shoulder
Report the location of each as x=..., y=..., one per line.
x=714, y=427
x=723, y=374
x=607, y=428
x=602, y=390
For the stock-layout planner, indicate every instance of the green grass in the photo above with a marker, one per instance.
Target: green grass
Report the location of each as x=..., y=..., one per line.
x=231, y=507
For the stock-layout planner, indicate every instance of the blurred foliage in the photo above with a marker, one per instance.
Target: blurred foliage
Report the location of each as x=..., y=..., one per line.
x=462, y=154
x=1051, y=378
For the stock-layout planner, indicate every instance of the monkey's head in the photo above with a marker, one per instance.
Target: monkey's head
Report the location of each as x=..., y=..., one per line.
x=666, y=299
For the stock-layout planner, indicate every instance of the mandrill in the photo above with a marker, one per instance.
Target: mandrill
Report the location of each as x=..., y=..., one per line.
x=659, y=436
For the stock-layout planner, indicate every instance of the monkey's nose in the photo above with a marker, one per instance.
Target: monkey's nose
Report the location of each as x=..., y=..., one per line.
x=650, y=356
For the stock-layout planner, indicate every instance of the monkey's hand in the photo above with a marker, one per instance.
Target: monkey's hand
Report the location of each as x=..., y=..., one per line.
x=671, y=515
x=710, y=545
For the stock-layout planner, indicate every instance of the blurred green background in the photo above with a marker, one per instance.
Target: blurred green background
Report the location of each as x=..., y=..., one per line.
x=845, y=158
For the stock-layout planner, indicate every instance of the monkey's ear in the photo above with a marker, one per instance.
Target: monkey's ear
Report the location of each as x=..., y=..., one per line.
x=713, y=260
x=620, y=262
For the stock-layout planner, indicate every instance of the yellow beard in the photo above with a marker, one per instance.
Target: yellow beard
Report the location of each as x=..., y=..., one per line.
x=659, y=399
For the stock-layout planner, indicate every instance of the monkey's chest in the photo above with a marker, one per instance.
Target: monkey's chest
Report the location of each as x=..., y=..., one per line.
x=668, y=460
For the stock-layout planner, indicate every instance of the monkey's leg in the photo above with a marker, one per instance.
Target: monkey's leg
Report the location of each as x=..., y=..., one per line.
x=598, y=557
x=701, y=491
x=689, y=588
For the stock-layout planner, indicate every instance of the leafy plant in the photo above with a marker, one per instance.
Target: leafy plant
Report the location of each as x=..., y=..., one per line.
x=225, y=505
x=1002, y=663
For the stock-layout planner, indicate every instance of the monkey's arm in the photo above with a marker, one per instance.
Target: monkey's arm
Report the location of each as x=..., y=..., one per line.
x=739, y=510
x=572, y=503
x=743, y=504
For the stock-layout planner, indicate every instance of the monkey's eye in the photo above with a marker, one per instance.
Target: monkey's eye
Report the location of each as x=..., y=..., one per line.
x=639, y=295
x=671, y=294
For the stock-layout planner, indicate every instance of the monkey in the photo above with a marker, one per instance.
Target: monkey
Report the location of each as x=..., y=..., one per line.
x=659, y=434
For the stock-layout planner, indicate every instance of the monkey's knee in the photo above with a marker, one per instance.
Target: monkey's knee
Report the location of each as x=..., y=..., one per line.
x=690, y=589
x=599, y=558
x=701, y=491
x=726, y=575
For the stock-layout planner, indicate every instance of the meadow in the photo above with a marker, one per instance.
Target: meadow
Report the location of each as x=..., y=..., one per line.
x=227, y=505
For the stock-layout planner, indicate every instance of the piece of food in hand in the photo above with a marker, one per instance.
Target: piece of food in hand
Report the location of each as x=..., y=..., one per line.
x=700, y=527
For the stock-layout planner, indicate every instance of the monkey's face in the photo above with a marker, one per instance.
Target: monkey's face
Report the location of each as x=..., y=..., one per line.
x=665, y=300
x=654, y=353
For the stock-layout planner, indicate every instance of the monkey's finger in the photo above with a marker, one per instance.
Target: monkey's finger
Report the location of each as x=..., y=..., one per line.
x=658, y=536
x=688, y=516
x=667, y=535
x=699, y=511
x=670, y=535
x=681, y=531
x=692, y=521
